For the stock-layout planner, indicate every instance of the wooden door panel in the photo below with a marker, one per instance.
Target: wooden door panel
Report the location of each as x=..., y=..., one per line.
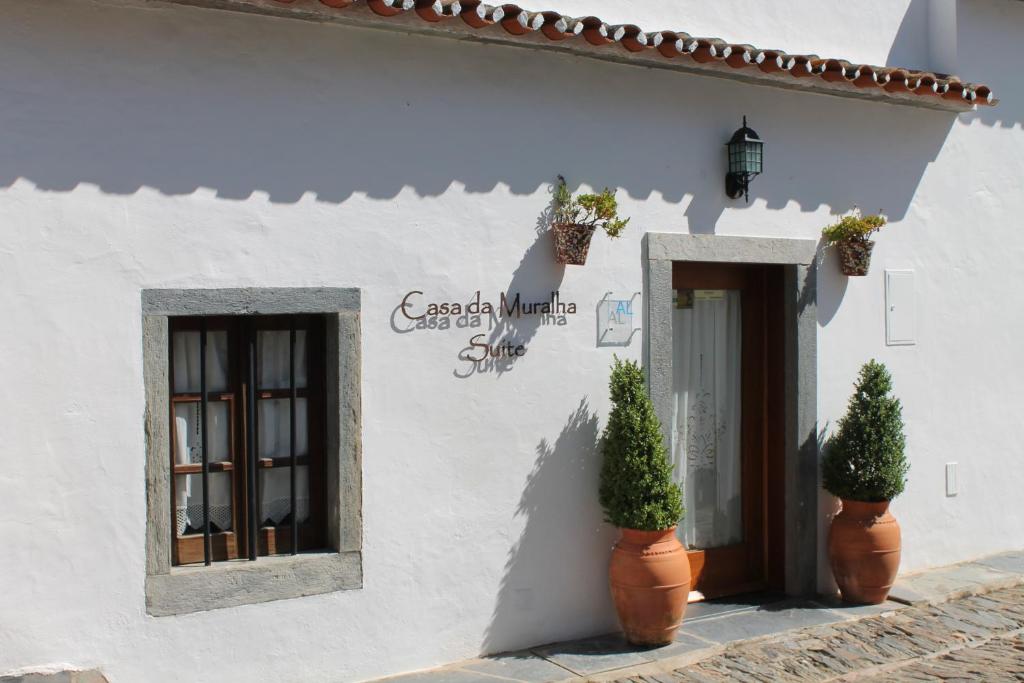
x=755, y=562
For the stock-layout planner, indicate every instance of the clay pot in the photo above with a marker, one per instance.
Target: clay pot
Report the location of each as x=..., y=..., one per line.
x=864, y=550
x=855, y=257
x=572, y=242
x=650, y=581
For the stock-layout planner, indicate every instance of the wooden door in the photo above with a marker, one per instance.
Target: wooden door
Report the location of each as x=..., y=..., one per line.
x=728, y=430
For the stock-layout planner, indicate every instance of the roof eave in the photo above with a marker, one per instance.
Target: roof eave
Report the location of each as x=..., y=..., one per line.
x=358, y=14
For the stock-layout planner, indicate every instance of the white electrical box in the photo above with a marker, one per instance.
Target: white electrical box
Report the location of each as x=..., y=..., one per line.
x=900, y=313
x=952, y=485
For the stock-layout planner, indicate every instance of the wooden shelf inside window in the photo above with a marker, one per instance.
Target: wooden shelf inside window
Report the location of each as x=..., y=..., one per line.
x=286, y=461
x=277, y=540
x=188, y=397
x=300, y=392
x=272, y=540
x=224, y=466
x=190, y=547
x=197, y=468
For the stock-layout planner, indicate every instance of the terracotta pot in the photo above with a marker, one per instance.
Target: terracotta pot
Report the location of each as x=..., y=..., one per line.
x=650, y=581
x=572, y=242
x=864, y=550
x=855, y=257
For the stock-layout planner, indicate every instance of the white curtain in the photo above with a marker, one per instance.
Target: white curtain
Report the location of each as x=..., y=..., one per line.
x=188, y=448
x=273, y=370
x=274, y=420
x=274, y=364
x=186, y=361
x=706, y=420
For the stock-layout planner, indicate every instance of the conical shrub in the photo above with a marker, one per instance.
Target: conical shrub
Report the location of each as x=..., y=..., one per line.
x=637, y=491
x=865, y=459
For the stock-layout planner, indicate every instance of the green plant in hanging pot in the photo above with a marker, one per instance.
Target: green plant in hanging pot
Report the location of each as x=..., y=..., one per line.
x=866, y=467
x=852, y=235
x=649, y=572
x=576, y=219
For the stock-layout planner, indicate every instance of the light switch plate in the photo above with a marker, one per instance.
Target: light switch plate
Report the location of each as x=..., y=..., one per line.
x=952, y=485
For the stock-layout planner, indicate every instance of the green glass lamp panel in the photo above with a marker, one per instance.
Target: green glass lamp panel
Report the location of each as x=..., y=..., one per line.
x=736, y=158
x=752, y=157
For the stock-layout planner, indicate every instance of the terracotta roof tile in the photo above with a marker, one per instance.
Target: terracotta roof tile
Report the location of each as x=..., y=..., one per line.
x=676, y=45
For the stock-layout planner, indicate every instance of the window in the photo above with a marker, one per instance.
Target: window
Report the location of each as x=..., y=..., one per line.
x=258, y=478
x=249, y=401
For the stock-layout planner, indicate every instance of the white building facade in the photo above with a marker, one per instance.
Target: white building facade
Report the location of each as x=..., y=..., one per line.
x=162, y=162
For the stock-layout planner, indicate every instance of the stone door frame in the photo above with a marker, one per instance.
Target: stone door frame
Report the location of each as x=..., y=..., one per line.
x=797, y=256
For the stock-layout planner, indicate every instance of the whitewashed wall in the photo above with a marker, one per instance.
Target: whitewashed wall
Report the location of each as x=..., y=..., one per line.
x=153, y=146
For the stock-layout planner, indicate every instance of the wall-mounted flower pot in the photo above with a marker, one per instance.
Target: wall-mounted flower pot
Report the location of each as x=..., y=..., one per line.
x=572, y=242
x=650, y=581
x=864, y=551
x=855, y=257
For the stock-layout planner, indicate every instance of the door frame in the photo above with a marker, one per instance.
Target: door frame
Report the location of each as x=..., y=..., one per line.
x=800, y=328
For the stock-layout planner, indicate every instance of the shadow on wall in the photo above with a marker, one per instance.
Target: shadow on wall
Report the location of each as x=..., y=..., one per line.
x=828, y=506
x=825, y=283
x=535, y=280
x=911, y=46
x=556, y=573
x=497, y=324
x=979, y=42
x=991, y=51
x=298, y=110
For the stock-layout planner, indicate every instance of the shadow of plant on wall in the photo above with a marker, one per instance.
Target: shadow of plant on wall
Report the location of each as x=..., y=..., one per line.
x=555, y=584
x=825, y=283
x=537, y=277
x=828, y=506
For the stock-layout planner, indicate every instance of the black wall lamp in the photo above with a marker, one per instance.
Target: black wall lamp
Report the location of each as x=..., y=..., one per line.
x=745, y=161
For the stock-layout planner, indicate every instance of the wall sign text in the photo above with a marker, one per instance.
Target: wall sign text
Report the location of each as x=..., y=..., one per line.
x=501, y=313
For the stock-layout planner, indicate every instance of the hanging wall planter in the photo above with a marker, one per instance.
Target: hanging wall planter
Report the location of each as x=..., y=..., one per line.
x=855, y=257
x=852, y=236
x=572, y=242
x=576, y=219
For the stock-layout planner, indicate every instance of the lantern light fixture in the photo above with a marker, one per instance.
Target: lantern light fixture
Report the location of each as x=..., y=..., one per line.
x=746, y=160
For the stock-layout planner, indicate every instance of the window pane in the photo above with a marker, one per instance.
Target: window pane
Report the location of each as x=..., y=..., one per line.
x=188, y=436
x=186, y=361
x=275, y=495
x=188, y=503
x=274, y=364
x=275, y=428
x=706, y=426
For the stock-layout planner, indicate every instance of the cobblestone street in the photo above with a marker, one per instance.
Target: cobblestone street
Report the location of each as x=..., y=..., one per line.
x=975, y=638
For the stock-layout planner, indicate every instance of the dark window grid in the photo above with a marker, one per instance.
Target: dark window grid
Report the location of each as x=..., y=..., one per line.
x=270, y=540
x=274, y=540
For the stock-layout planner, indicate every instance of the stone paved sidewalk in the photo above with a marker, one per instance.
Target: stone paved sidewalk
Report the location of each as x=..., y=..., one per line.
x=951, y=623
x=971, y=639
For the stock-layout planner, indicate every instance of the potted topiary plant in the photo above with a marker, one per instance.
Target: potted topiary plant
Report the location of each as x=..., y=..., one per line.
x=865, y=467
x=649, y=572
x=576, y=218
x=852, y=235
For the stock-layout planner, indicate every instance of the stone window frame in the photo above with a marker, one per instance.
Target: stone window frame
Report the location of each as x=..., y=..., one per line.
x=181, y=590
x=798, y=258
